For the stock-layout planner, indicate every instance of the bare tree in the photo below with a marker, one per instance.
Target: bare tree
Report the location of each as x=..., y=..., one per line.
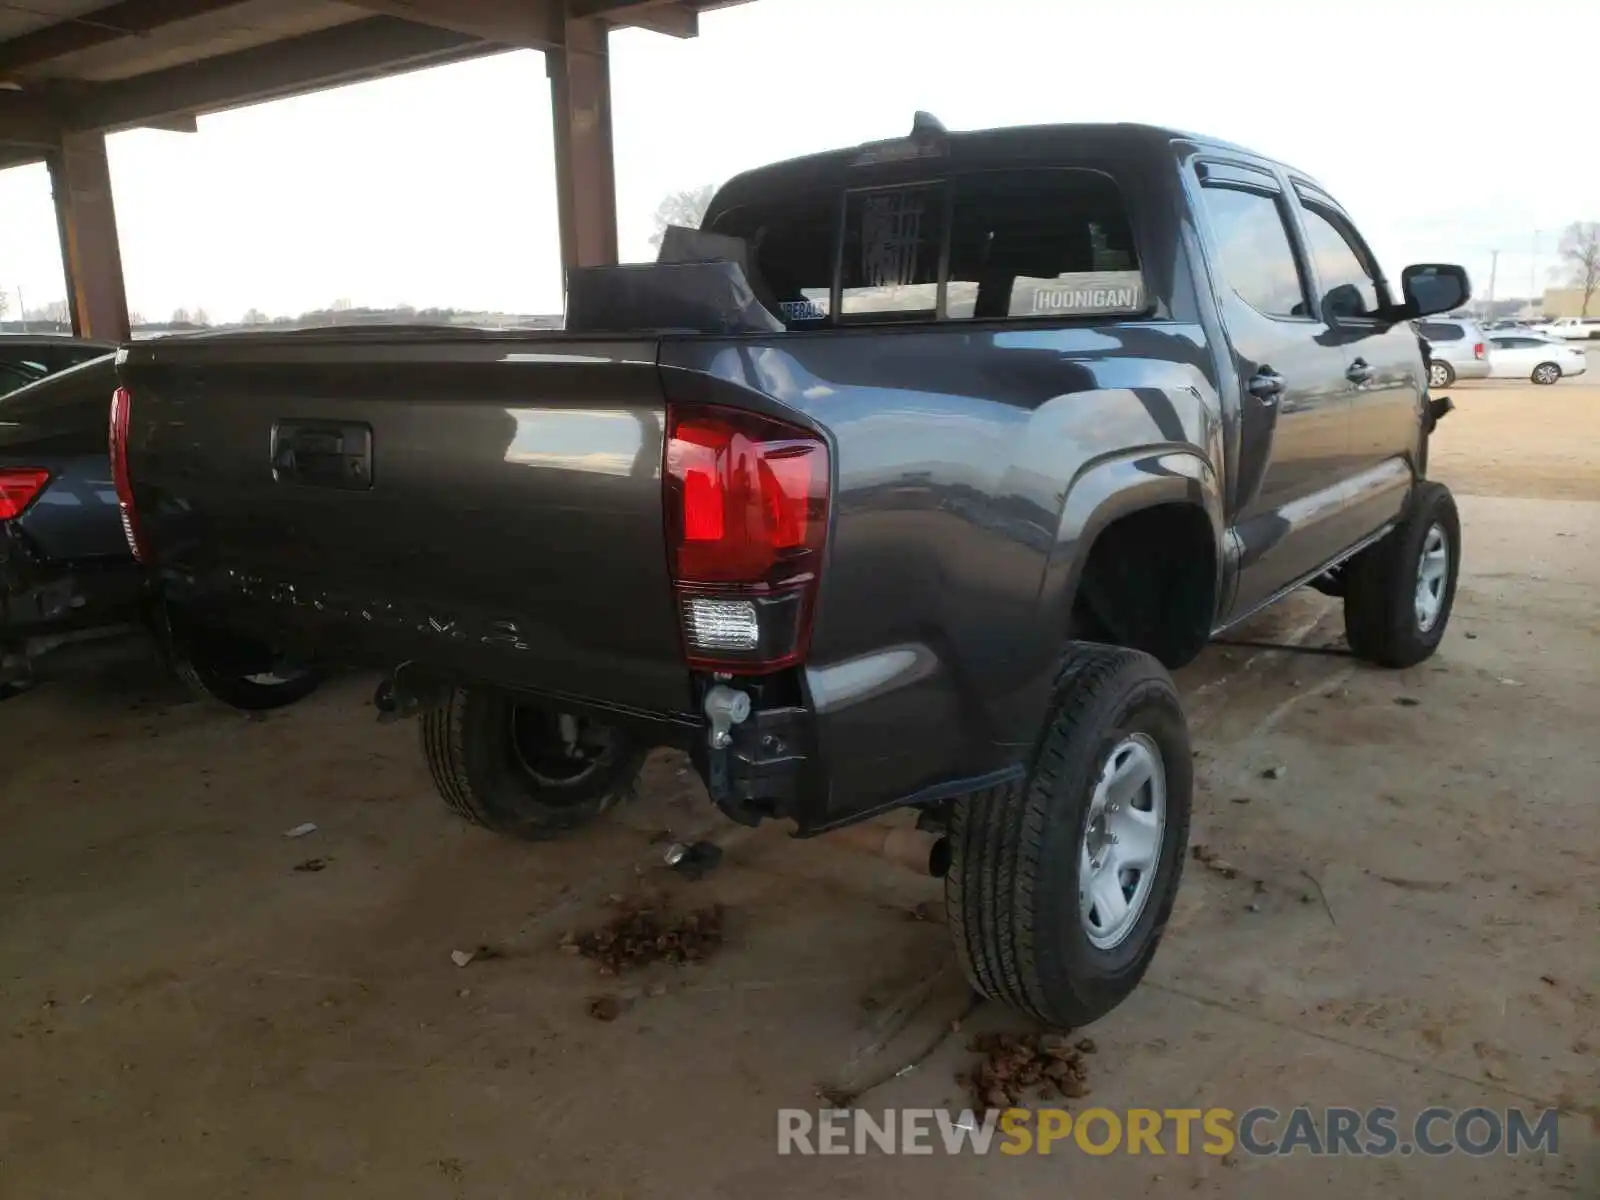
x=254, y=316
x=135, y=318
x=1580, y=254
x=5, y=305
x=201, y=317
x=180, y=316
x=682, y=208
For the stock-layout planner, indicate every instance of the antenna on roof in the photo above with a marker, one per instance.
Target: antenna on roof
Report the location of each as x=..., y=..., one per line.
x=925, y=123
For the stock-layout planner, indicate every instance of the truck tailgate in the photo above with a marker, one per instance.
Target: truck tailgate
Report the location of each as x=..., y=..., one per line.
x=488, y=504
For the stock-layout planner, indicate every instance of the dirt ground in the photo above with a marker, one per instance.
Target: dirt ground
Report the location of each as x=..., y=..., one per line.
x=1411, y=920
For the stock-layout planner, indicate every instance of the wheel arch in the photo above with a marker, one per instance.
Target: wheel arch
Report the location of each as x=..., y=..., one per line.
x=1157, y=491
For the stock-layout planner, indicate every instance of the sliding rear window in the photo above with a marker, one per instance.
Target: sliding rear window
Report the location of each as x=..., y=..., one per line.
x=997, y=245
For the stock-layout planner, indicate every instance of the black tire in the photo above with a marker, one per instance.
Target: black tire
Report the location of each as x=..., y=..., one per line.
x=1440, y=374
x=1546, y=374
x=482, y=752
x=249, y=693
x=1381, y=617
x=1012, y=888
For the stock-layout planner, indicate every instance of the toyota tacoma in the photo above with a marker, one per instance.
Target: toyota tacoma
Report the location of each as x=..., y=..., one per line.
x=901, y=483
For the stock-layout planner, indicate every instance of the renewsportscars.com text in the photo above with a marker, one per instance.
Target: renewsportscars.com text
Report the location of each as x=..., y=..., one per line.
x=1256, y=1132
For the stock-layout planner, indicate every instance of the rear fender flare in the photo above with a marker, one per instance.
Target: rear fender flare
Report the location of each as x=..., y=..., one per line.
x=1110, y=488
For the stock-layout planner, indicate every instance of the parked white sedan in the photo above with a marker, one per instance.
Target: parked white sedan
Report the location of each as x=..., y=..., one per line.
x=1534, y=356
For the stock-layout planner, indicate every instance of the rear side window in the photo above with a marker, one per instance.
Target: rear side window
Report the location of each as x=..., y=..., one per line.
x=999, y=244
x=1255, y=256
x=1442, y=331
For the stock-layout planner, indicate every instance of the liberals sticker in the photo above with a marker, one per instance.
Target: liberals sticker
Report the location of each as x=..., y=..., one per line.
x=803, y=310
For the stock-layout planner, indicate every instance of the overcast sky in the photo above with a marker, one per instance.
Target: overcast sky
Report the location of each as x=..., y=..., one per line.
x=1447, y=129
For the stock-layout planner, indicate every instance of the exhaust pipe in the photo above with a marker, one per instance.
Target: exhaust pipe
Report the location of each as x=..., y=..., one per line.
x=915, y=849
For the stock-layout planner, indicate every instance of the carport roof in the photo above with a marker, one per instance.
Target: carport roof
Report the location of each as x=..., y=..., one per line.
x=72, y=65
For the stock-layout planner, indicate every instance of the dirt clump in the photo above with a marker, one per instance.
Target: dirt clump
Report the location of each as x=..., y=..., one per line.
x=1017, y=1067
x=645, y=932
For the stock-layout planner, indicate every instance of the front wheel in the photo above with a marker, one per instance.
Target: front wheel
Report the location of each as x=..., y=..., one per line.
x=1060, y=886
x=1400, y=591
x=525, y=770
x=1440, y=374
x=1546, y=374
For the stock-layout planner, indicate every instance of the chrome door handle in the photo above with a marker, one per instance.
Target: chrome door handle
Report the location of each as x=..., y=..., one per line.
x=1266, y=385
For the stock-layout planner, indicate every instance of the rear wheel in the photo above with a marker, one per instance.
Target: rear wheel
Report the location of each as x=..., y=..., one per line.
x=1059, y=886
x=1440, y=374
x=525, y=770
x=239, y=672
x=1546, y=374
x=1399, y=592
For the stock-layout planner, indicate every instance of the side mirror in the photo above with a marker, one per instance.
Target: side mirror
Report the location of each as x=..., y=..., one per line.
x=1434, y=288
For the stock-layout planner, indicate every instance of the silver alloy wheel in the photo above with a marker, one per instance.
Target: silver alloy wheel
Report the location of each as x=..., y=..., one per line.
x=1438, y=375
x=1433, y=574
x=1122, y=838
x=1546, y=373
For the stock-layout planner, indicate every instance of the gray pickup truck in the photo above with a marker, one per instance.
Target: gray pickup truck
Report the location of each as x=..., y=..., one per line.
x=905, y=494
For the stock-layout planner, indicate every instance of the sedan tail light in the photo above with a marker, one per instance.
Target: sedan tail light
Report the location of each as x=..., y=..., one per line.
x=20, y=487
x=121, y=415
x=747, y=517
x=1477, y=351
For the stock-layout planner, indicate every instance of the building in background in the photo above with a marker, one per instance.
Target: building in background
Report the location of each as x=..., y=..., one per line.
x=1568, y=302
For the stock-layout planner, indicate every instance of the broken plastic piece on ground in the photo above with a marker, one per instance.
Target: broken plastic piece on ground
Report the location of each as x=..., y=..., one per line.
x=300, y=831
x=694, y=859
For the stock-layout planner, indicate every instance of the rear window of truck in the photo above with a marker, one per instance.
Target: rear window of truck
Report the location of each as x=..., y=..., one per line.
x=994, y=245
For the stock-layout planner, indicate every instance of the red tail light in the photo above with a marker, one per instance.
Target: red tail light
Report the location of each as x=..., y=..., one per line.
x=121, y=414
x=1477, y=351
x=19, y=486
x=747, y=517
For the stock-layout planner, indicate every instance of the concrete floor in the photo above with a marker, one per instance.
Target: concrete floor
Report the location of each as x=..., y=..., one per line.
x=188, y=1016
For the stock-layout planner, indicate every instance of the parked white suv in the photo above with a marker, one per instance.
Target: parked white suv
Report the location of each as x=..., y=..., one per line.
x=1456, y=350
x=1573, y=328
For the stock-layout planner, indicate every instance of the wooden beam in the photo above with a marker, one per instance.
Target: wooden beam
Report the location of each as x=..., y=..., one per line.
x=90, y=251
x=26, y=120
x=534, y=24
x=112, y=23
x=586, y=187
x=672, y=17
x=350, y=53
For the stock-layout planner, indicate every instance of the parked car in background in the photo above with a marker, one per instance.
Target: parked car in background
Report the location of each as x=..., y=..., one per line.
x=1576, y=329
x=1534, y=356
x=30, y=356
x=15, y=375
x=71, y=595
x=1457, y=350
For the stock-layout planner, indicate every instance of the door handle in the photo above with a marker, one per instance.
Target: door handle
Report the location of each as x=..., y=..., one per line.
x=1266, y=385
x=1359, y=372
